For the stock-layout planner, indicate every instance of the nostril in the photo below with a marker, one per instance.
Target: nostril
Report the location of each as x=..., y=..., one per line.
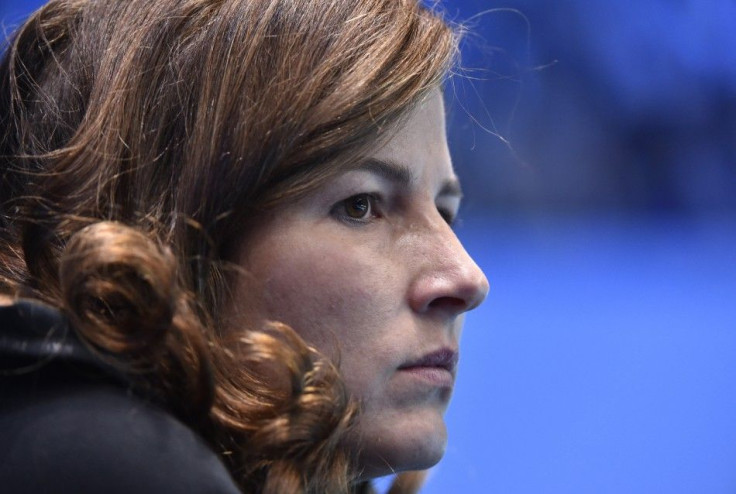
x=454, y=304
x=454, y=290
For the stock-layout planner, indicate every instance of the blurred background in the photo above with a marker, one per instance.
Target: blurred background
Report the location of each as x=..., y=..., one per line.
x=597, y=145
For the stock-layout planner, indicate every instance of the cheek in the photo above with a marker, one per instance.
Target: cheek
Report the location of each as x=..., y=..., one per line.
x=330, y=294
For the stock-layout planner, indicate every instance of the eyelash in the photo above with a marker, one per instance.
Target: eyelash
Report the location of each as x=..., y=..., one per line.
x=340, y=211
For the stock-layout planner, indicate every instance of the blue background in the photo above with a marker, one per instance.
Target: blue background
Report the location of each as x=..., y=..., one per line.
x=597, y=143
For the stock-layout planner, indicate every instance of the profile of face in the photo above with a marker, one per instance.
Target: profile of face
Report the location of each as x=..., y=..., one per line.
x=368, y=270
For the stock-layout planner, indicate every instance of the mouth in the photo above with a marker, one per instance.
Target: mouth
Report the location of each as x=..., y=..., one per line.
x=437, y=368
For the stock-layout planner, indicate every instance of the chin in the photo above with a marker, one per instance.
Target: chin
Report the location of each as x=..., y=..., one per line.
x=406, y=443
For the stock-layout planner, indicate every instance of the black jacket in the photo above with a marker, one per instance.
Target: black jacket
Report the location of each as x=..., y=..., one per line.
x=71, y=424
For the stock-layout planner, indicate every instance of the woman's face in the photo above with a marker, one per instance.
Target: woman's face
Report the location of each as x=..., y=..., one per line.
x=368, y=267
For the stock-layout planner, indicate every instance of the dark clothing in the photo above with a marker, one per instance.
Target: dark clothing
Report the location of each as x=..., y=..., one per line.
x=69, y=423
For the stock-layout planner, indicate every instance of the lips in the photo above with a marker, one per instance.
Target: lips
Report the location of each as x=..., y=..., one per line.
x=441, y=359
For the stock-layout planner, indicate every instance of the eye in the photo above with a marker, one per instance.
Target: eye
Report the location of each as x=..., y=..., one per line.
x=449, y=215
x=358, y=208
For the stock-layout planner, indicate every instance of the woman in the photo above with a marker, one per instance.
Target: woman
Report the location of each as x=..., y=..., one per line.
x=226, y=231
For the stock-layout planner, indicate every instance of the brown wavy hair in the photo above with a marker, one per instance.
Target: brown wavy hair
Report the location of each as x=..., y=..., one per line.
x=139, y=142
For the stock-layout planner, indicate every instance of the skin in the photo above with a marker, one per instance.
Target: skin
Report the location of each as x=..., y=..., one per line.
x=369, y=271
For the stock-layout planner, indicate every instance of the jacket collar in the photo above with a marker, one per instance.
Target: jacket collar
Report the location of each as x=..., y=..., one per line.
x=33, y=334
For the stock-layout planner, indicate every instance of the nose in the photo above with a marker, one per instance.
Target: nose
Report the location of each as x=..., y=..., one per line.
x=447, y=279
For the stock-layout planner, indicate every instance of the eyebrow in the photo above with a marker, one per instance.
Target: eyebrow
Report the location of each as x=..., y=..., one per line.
x=388, y=170
x=403, y=175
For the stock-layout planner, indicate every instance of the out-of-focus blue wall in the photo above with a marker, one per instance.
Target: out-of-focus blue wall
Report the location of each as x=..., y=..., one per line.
x=597, y=143
x=607, y=106
x=604, y=359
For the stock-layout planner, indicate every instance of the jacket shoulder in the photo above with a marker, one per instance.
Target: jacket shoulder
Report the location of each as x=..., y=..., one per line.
x=99, y=438
x=69, y=424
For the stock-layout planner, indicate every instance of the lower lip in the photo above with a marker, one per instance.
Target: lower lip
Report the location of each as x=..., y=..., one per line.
x=436, y=376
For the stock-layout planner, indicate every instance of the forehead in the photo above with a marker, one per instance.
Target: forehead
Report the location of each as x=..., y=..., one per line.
x=420, y=142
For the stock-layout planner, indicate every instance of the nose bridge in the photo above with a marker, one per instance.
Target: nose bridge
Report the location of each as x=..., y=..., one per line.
x=447, y=275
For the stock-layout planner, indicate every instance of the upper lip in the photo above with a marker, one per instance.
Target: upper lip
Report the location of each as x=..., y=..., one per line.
x=443, y=358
